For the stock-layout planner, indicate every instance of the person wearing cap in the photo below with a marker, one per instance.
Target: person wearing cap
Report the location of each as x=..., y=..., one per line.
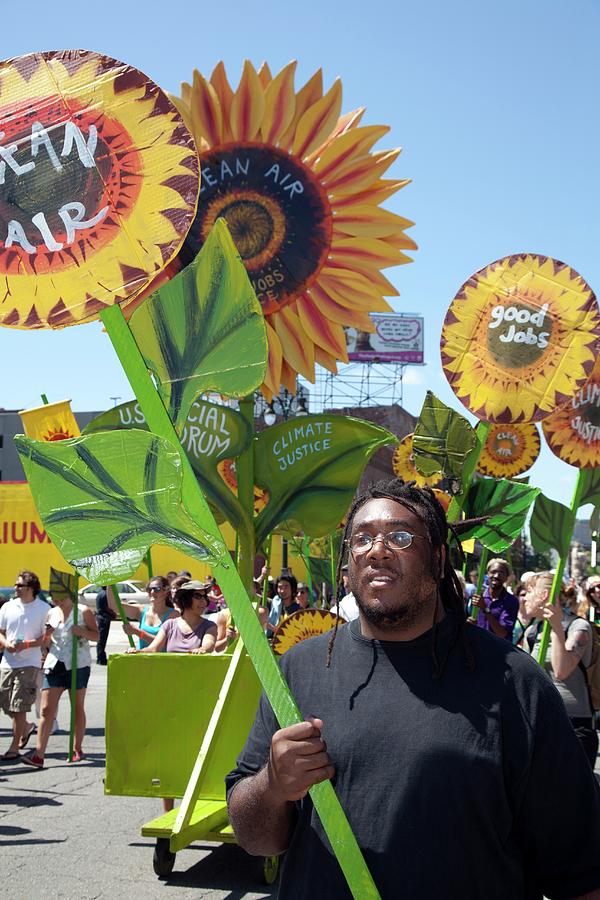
x=190, y=632
x=498, y=608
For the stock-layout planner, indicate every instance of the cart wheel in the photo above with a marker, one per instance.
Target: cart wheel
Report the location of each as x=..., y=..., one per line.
x=163, y=859
x=270, y=869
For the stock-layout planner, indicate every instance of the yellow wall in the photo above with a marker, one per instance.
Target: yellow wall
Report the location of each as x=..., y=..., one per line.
x=24, y=544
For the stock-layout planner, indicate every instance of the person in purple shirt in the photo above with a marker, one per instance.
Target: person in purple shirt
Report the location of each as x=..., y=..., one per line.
x=498, y=608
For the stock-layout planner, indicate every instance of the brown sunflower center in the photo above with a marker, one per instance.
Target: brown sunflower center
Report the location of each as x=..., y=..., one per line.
x=518, y=332
x=277, y=212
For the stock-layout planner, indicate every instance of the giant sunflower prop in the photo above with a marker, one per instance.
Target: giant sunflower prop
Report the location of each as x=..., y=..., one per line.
x=98, y=186
x=301, y=190
x=520, y=338
x=509, y=450
x=573, y=431
x=301, y=625
x=403, y=464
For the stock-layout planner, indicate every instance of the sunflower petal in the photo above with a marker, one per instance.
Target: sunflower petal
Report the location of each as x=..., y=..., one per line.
x=182, y=106
x=346, y=146
x=335, y=312
x=207, y=118
x=378, y=193
x=361, y=252
x=289, y=379
x=280, y=102
x=219, y=81
x=364, y=220
x=399, y=240
x=298, y=351
x=264, y=75
x=326, y=360
x=273, y=373
x=345, y=123
x=360, y=172
x=317, y=122
x=322, y=331
x=306, y=97
x=353, y=294
x=248, y=105
x=370, y=273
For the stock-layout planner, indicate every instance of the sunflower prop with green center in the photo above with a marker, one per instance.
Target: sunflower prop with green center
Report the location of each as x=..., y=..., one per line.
x=301, y=189
x=88, y=215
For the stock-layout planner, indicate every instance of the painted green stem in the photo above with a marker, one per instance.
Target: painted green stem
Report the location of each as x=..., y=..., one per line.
x=245, y=479
x=560, y=568
x=74, y=645
x=265, y=584
x=332, y=568
x=306, y=558
x=480, y=576
x=122, y=615
x=332, y=816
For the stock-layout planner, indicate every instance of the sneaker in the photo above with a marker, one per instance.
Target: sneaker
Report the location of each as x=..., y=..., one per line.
x=32, y=759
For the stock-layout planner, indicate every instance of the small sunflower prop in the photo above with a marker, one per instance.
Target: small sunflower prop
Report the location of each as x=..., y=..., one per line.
x=403, y=465
x=300, y=625
x=300, y=189
x=573, y=431
x=509, y=450
x=520, y=338
x=99, y=184
x=226, y=469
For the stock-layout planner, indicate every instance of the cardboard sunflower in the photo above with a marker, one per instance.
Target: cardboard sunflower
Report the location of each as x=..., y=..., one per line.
x=301, y=625
x=98, y=186
x=403, y=464
x=301, y=190
x=573, y=431
x=520, y=338
x=509, y=450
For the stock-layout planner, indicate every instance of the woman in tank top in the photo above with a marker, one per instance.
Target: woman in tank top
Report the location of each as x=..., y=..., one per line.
x=190, y=632
x=146, y=620
x=57, y=673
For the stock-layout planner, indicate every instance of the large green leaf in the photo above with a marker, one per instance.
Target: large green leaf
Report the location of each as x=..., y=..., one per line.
x=442, y=440
x=505, y=504
x=106, y=498
x=591, y=486
x=311, y=467
x=211, y=434
x=551, y=525
x=204, y=330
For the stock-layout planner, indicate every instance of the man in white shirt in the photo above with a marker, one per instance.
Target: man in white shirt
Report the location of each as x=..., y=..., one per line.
x=22, y=630
x=348, y=605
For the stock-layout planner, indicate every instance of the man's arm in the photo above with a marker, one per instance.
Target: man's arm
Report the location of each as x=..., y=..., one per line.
x=262, y=807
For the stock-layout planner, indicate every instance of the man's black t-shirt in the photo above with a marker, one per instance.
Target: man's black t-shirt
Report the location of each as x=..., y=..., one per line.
x=472, y=785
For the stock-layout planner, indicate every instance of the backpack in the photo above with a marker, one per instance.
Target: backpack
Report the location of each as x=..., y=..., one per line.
x=592, y=672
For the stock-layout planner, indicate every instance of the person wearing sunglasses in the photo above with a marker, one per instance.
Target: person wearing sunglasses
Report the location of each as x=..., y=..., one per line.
x=145, y=621
x=439, y=736
x=302, y=595
x=190, y=632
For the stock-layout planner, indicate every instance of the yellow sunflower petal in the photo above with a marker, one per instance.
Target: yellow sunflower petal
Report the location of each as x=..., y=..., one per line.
x=370, y=221
x=370, y=274
x=182, y=107
x=288, y=377
x=280, y=103
x=326, y=360
x=317, y=121
x=378, y=193
x=371, y=252
x=352, y=318
x=224, y=92
x=345, y=123
x=273, y=373
x=354, y=295
x=264, y=74
x=324, y=333
x=306, y=97
x=360, y=173
x=299, y=352
x=400, y=240
x=207, y=118
x=403, y=465
x=347, y=146
x=248, y=105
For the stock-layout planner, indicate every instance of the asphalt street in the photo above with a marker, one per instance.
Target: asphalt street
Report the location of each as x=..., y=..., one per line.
x=61, y=837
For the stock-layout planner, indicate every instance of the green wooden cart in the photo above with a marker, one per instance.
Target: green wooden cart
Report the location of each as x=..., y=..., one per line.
x=161, y=708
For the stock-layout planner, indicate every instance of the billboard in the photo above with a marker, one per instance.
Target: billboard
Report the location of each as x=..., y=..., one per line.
x=397, y=338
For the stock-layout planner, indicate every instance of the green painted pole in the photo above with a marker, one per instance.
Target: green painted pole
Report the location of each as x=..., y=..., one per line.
x=560, y=568
x=306, y=558
x=485, y=553
x=332, y=568
x=149, y=563
x=265, y=585
x=122, y=615
x=74, y=645
x=327, y=805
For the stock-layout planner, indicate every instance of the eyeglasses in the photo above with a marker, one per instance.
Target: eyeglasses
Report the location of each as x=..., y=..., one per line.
x=199, y=596
x=361, y=542
x=18, y=584
x=155, y=589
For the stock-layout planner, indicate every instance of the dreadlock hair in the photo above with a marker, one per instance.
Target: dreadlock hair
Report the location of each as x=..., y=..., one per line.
x=424, y=504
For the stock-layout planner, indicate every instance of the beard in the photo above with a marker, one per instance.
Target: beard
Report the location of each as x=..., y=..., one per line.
x=406, y=615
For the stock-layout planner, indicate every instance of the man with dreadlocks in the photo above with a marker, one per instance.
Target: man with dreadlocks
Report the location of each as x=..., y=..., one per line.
x=449, y=749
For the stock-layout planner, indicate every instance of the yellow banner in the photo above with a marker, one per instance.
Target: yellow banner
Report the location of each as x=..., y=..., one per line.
x=52, y=422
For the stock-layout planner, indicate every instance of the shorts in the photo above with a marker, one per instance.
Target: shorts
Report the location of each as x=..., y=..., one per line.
x=17, y=689
x=60, y=677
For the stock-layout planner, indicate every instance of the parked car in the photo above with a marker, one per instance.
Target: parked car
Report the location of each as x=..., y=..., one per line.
x=129, y=591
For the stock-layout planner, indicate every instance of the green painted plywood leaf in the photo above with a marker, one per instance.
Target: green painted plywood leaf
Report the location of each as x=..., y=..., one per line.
x=212, y=433
x=591, y=486
x=204, y=330
x=106, y=498
x=442, y=439
x=551, y=525
x=63, y=584
x=505, y=504
x=311, y=467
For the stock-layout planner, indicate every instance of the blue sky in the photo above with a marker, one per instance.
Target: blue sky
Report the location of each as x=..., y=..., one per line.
x=496, y=107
